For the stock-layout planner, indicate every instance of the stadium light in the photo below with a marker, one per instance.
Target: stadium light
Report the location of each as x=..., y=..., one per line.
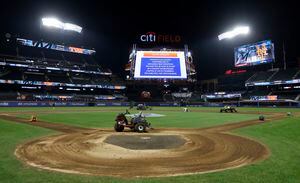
x=235, y=32
x=53, y=22
x=189, y=54
x=72, y=27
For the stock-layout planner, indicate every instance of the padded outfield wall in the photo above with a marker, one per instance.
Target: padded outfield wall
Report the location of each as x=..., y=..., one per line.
x=278, y=103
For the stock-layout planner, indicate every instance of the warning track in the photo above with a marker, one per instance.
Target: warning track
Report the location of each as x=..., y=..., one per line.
x=85, y=151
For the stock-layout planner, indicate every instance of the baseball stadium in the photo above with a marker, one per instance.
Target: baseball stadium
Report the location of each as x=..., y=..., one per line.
x=135, y=93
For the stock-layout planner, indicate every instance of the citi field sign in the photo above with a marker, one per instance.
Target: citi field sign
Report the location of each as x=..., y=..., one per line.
x=152, y=37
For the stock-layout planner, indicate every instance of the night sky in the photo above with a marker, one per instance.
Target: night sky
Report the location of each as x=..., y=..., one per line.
x=111, y=27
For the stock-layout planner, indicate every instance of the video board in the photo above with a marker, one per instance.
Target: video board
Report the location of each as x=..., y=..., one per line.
x=254, y=54
x=160, y=65
x=268, y=97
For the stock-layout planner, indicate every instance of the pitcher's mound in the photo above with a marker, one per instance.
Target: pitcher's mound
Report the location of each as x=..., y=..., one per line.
x=146, y=142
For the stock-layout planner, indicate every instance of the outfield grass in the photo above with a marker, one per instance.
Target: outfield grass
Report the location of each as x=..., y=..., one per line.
x=282, y=137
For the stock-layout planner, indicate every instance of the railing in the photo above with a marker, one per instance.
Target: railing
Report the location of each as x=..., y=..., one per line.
x=297, y=73
x=254, y=75
x=272, y=75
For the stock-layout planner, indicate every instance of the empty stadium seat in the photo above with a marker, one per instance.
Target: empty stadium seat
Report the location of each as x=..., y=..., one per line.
x=284, y=75
x=261, y=76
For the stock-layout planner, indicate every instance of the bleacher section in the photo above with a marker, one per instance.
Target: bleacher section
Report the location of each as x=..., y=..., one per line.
x=59, y=77
x=13, y=74
x=45, y=63
x=31, y=76
x=52, y=76
x=53, y=69
x=278, y=77
x=81, y=79
x=233, y=82
x=284, y=95
x=275, y=85
x=297, y=75
x=258, y=92
x=284, y=75
x=261, y=76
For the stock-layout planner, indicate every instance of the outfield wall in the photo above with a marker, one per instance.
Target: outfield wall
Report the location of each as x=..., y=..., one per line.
x=167, y=104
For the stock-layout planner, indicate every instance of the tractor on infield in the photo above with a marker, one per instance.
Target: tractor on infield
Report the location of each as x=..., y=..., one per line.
x=138, y=123
x=228, y=109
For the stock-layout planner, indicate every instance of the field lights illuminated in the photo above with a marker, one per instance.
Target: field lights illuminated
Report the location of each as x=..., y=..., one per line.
x=53, y=22
x=236, y=31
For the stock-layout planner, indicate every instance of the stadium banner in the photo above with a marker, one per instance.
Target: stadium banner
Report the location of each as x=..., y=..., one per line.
x=254, y=54
x=222, y=96
x=52, y=46
x=128, y=104
x=171, y=104
x=42, y=104
x=279, y=82
x=267, y=97
x=160, y=65
x=249, y=103
x=75, y=104
x=112, y=104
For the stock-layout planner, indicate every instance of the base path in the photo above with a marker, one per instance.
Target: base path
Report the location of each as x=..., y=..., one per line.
x=165, y=152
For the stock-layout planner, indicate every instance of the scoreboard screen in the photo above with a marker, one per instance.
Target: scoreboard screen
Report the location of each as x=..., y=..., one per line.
x=254, y=54
x=160, y=65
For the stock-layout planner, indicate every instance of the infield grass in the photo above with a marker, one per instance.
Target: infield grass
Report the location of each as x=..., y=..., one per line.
x=174, y=118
